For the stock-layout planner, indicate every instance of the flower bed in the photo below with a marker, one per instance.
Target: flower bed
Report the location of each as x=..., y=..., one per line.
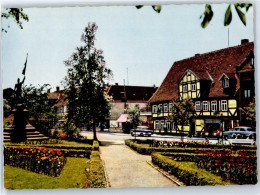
x=239, y=167
x=39, y=160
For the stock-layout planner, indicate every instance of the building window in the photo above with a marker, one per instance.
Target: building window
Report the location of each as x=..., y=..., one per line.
x=162, y=124
x=156, y=124
x=154, y=108
x=170, y=107
x=214, y=106
x=168, y=125
x=205, y=106
x=197, y=106
x=160, y=108
x=252, y=61
x=165, y=107
x=193, y=87
x=224, y=105
x=185, y=88
x=226, y=83
x=247, y=93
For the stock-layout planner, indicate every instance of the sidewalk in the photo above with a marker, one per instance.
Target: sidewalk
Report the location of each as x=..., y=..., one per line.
x=126, y=168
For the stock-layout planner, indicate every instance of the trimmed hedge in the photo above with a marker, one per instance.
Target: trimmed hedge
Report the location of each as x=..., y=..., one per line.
x=189, y=176
x=64, y=147
x=141, y=147
x=191, y=144
x=95, y=145
x=97, y=177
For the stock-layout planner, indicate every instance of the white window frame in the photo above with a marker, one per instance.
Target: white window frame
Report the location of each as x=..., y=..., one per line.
x=247, y=93
x=165, y=107
x=154, y=109
x=214, y=105
x=197, y=104
x=168, y=125
x=224, y=106
x=160, y=108
x=193, y=87
x=162, y=124
x=156, y=124
x=205, y=106
x=185, y=88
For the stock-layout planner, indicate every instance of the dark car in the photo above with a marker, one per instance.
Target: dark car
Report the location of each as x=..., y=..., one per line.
x=141, y=131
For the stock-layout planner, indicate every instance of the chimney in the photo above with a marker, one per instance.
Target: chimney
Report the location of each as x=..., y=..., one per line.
x=57, y=88
x=116, y=84
x=243, y=41
x=154, y=86
x=48, y=90
x=197, y=54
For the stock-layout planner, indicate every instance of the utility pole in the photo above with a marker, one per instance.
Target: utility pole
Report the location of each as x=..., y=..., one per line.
x=127, y=80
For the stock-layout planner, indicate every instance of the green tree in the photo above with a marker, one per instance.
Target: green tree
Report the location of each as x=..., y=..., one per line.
x=208, y=13
x=41, y=113
x=182, y=112
x=250, y=113
x=134, y=114
x=85, y=81
x=17, y=14
x=7, y=108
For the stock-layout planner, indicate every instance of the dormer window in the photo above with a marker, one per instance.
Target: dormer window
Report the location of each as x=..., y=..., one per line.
x=252, y=61
x=226, y=83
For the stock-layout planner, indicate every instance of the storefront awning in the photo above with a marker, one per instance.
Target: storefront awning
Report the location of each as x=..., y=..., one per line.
x=122, y=118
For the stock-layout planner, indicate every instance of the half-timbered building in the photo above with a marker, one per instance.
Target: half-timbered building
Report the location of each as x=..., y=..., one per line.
x=220, y=83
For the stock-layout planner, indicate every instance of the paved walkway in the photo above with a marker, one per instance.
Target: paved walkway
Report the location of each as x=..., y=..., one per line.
x=126, y=168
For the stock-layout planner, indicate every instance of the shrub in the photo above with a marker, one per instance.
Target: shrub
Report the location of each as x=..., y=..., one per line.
x=97, y=177
x=95, y=145
x=185, y=173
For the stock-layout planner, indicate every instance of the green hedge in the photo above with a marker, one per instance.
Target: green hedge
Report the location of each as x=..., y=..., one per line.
x=141, y=147
x=188, y=175
x=95, y=145
x=190, y=144
x=149, y=150
x=77, y=153
x=97, y=177
x=64, y=147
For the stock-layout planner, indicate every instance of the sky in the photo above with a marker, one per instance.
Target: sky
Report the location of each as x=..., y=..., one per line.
x=138, y=40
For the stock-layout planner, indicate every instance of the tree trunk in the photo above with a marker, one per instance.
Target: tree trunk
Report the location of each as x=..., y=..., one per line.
x=94, y=131
x=182, y=128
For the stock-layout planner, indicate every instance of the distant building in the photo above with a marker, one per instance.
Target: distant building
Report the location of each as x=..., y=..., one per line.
x=60, y=103
x=129, y=97
x=220, y=83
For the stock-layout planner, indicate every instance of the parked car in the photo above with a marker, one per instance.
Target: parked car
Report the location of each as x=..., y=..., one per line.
x=242, y=128
x=240, y=137
x=141, y=131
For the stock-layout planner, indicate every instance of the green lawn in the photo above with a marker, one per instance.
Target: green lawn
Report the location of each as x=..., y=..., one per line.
x=72, y=176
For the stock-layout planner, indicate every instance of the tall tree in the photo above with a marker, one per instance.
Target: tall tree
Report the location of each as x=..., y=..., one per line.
x=208, y=13
x=86, y=77
x=182, y=112
x=41, y=112
x=249, y=113
x=17, y=14
x=134, y=114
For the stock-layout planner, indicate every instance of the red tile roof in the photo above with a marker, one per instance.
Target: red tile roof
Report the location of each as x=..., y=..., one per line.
x=133, y=93
x=215, y=63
